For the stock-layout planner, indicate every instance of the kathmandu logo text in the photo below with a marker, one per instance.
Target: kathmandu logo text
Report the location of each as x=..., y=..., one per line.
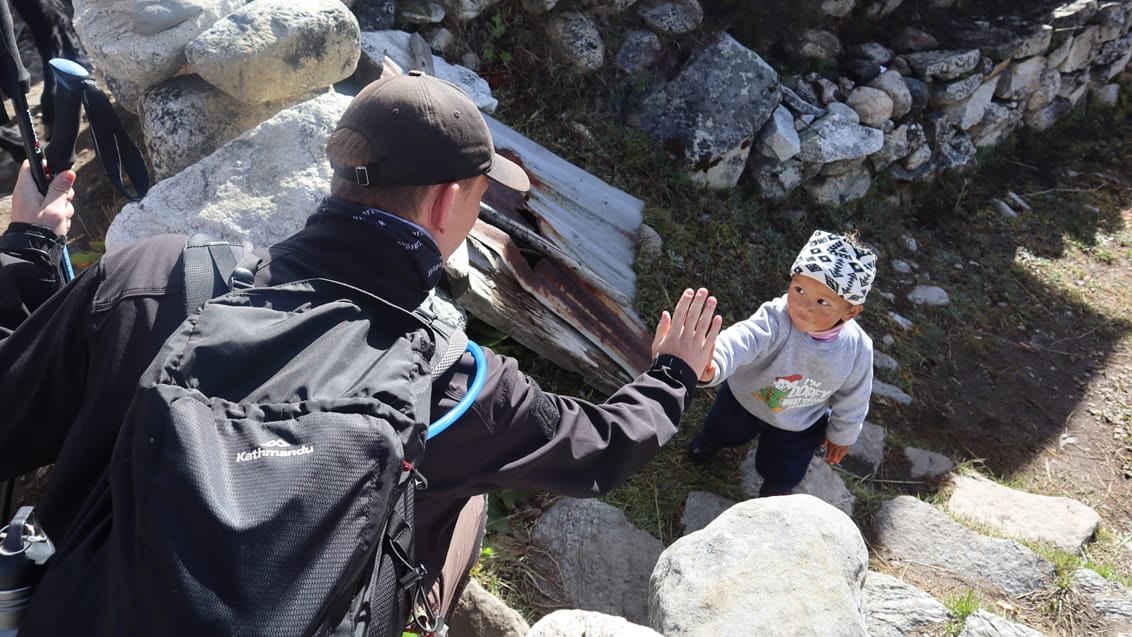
x=277, y=448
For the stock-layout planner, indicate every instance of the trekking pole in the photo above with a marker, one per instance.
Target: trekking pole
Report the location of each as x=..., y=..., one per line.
x=15, y=82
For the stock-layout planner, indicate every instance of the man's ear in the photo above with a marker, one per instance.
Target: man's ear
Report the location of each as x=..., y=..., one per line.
x=853, y=312
x=439, y=202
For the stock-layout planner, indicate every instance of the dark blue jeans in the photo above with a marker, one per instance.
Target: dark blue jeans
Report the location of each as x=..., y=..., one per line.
x=782, y=456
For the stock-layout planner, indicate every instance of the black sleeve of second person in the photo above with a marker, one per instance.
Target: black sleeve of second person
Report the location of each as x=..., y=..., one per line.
x=45, y=366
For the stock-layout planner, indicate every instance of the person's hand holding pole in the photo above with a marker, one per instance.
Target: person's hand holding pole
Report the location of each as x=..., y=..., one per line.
x=689, y=332
x=52, y=210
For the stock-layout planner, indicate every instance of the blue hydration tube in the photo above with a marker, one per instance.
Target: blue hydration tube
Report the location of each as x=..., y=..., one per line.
x=474, y=389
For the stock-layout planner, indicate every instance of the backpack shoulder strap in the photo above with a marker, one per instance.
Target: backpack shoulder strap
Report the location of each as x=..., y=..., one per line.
x=208, y=263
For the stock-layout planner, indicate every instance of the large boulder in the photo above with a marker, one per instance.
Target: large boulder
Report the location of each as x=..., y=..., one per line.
x=788, y=565
x=274, y=49
x=709, y=113
x=257, y=188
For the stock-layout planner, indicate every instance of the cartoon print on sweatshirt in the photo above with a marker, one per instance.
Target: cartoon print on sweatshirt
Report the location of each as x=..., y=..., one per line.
x=792, y=391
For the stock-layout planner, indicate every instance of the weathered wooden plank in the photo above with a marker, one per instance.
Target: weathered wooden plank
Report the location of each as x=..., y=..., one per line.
x=589, y=219
x=554, y=269
x=548, y=310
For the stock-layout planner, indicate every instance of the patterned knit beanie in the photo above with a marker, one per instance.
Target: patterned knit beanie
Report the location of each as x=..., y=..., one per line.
x=843, y=266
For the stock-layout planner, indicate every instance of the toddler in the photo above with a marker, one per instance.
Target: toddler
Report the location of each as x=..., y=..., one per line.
x=798, y=373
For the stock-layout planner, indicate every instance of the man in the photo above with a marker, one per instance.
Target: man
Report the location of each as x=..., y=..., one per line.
x=411, y=157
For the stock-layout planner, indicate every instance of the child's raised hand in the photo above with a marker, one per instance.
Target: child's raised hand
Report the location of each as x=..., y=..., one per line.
x=834, y=453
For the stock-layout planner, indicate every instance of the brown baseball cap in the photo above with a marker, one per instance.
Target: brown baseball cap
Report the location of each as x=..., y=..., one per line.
x=423, y=131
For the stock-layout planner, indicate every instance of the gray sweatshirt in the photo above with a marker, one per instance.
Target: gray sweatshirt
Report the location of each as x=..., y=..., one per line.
x=788, y=379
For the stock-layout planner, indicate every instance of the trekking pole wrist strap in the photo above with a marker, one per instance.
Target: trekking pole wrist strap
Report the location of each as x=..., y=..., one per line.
x=37, y=244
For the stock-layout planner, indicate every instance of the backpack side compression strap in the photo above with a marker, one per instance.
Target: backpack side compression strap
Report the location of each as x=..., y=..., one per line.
x=208, y=264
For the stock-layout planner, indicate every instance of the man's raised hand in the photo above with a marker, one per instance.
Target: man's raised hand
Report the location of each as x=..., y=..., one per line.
x=689, y=332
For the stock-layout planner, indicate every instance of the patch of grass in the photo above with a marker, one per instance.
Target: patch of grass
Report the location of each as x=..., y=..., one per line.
x=962, y=606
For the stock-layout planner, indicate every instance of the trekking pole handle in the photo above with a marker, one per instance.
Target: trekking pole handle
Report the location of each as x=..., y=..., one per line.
x=69, y=77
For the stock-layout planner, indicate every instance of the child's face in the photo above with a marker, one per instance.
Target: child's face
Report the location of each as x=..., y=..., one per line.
x=813, y=307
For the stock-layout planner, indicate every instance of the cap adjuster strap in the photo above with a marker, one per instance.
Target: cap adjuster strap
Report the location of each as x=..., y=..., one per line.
x=361, y=175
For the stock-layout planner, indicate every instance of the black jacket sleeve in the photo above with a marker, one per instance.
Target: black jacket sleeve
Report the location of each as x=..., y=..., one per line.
x=44, y=360
x=519, y=437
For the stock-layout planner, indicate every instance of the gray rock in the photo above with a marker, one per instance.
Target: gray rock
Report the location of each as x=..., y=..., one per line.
x=710, y=111
x=701, y=508
x=1073, y=14
x=896, y=609
x=121, y=54
x=943, y=65
x=1049, y=84
x=896, y=147
x=880, y=359
x=224, y=196
x=844, y=112
x=673, y=17
x=955, y=92
x=911, y=39
x=271, y=50
x=577, y=40
x=467, y=10
x=649, y=243
x=1108, y=598
x=1044, y=118
x=876, y=9
x=837, y=8
x=837, y=190
x=920, y=93
x=640, y=50
x=833, y=138
x=155, y=16
x=580, y=623
x=478, y=613
x=893, y=84
x=185, y=119
x=778, y=139
x=1034, y=42
x=867, y=453
x=1060, y=522
x=1107, y=96
x=604, y=560
x=813, y=43
x=909, y=530
x=375, y=15
x=821, y=481
x=1020, y=79
x=421, y=11
x=927, y=465
x=1081, y=51
x=776, y=180
x=873, y=52
x=890, y=392
x=759, y=537
x=983, y=624
x=957, y=153
x=928, y=295
x=999, y=121
x=873, y=105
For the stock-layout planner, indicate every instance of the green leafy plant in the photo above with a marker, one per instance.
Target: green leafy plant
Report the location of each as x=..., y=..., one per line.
x=494, y=51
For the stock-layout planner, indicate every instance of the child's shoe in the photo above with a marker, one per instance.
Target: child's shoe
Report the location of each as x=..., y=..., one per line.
x=700, y=451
